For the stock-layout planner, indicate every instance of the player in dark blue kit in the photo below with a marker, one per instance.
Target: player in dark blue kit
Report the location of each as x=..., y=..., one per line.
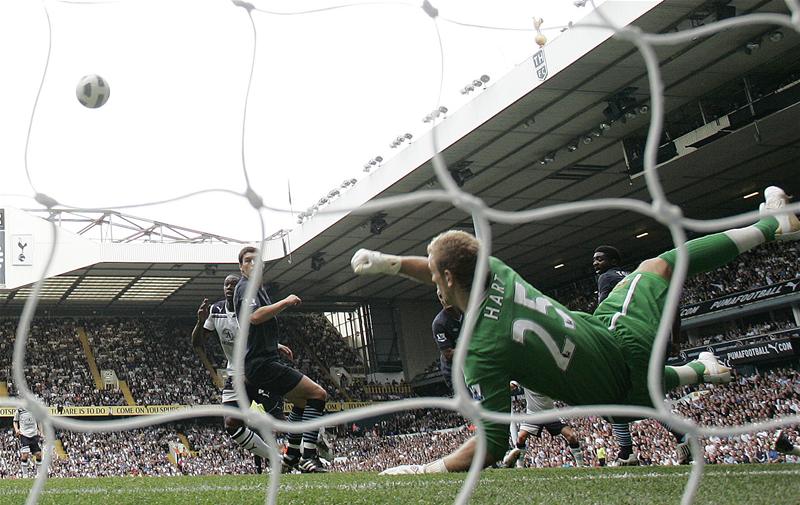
x=263, y=370
x=446, y=326
x=605, y=261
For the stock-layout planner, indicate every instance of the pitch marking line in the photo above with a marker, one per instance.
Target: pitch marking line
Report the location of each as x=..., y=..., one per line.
x=204, y=488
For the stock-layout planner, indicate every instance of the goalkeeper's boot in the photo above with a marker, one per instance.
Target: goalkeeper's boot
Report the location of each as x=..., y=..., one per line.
x=683, y=453
x=716, y=372
x=312, y=465
x=290, y=463
x=782, y=443
x=512, y=457
x=788, y=224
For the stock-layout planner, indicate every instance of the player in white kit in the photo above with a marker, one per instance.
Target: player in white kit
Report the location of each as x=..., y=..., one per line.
x=30, y=436
x=221, y=319
x=535, y=402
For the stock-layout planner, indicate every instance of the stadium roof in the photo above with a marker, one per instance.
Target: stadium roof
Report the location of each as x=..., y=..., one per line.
x=501, y=138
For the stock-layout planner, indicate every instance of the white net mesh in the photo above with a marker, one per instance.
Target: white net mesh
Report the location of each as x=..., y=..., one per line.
x=660, y=210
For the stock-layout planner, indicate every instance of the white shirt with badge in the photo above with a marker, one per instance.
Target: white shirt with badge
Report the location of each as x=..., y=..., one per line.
x=27, y=424
x=226, y=324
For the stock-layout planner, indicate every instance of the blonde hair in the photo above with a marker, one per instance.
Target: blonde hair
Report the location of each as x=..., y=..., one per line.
x=456, y=251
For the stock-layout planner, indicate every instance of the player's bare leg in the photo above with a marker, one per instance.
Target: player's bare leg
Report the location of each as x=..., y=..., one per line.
x=37, y=461
x=512, y=458
x=24, y=463
x=574, y=444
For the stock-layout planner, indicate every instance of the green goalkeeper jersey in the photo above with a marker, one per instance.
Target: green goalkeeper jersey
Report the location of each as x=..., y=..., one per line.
x=525, y=336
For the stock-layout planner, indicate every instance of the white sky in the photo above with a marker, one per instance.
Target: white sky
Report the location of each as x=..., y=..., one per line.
x=330, y=91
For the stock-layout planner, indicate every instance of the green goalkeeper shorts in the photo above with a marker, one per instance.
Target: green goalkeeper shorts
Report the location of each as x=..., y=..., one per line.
x=632, y=313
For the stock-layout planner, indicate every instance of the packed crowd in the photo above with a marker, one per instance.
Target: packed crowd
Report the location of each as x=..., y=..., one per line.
x=411, y=421
x=749, y=399
x=769, y=264
x=213, y=453
x=754, y=398
x=327, y=341
x=56, y=369
x=373, y=453
x=751, y=333
x=426, y=434
x=135, y=452
x=154, y=357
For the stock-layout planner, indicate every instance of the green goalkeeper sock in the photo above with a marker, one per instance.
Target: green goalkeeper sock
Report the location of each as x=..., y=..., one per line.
x=690, y=373
x=713, y=251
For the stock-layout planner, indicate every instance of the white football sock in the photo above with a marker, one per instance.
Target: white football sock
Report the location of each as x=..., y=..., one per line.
x=249, y=440
x=577, y=453
x=746, y=238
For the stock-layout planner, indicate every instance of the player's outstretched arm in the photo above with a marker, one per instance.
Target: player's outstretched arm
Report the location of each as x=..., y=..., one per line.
x=367, y=262
x=263, y=314
x=458, y=461
x=461, y=459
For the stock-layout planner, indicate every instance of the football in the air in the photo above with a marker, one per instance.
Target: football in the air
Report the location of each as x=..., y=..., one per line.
x=92, y=91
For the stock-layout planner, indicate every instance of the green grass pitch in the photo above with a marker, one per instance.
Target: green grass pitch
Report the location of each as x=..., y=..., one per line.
x=722, y=485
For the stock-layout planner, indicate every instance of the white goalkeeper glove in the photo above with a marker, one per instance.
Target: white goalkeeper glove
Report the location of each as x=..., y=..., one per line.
x=434, y=467
x=366, y=262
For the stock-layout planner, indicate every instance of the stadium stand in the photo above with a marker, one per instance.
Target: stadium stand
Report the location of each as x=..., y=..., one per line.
x=150, y=354
x=154, y=356
x=159, y=372
x=56, y=369
x=750, y=334
x=379, y=443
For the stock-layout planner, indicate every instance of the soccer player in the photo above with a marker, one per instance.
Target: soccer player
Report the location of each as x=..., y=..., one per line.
x=30, y=436
x=221, y=318
x=534, y=402
x=446, y=326
x=574, y=357
x=784, y=444
x=606, y=262
x=263, y=370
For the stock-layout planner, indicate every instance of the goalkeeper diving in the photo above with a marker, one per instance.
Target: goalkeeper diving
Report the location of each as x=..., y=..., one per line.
x=575, y=357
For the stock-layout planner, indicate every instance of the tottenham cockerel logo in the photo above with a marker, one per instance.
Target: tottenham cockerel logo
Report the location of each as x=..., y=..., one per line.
x=228, y=335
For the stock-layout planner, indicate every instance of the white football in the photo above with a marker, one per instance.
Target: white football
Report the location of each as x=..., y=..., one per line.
x=92, y=91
